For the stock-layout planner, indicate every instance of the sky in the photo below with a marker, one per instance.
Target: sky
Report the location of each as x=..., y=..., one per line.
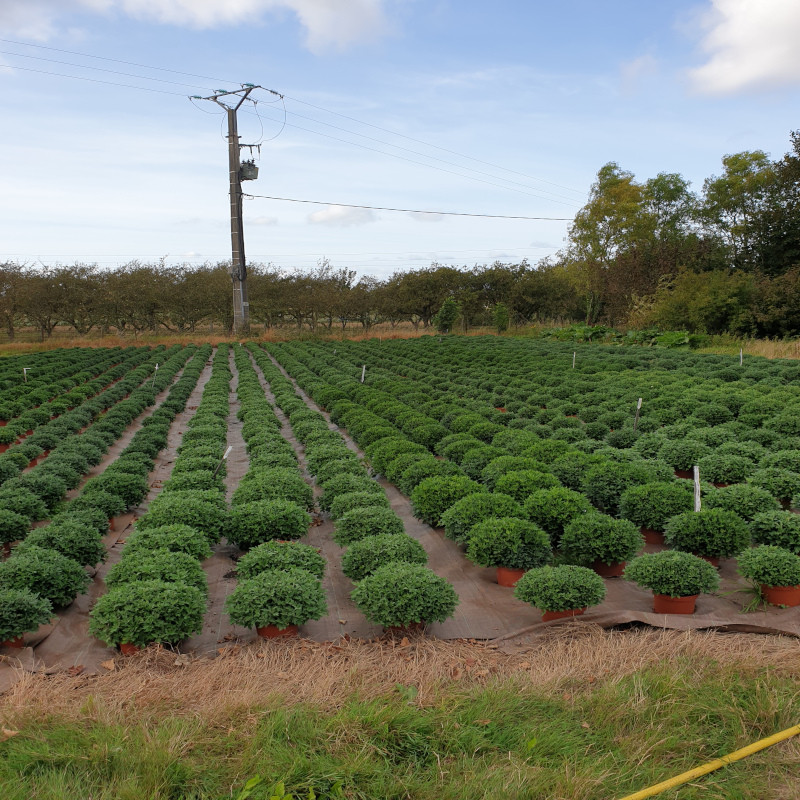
x=506, y=108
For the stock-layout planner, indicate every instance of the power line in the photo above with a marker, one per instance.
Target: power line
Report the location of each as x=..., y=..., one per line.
x=407, y=210
x=296, y=100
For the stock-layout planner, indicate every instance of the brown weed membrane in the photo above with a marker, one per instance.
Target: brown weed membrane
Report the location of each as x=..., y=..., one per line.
x=326, y=675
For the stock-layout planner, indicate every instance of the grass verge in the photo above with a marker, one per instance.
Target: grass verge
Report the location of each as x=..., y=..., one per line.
x=587, y=714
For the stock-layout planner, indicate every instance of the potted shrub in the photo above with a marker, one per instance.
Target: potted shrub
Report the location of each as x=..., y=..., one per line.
x=459, y=519
x=552, y=509
x=650, y=506
x=162, y=565
x=682, y=454
x=47, y=573
x=676, y=579
x=521, y=484
x=743, y=499
x=510, y=544
x=359, y=523
x=177, y=538
x=723, y=469
x=399, y=595
x=712, y=533
x=781, y=483
x=13, y=528
x=601, y=542
x=565, y=591
x=776, y=571
x=281, y=555
x=365, y=556
x=433, y=496
x=279, y=483
x=427, y=467
x=276, y=602
x=779, y=528
x=344, y=484
x=139, y=613
x=196, y=509
x=74, y=539
x=21, y=611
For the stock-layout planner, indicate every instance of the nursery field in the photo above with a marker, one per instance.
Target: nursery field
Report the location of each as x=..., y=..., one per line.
x=479, y=541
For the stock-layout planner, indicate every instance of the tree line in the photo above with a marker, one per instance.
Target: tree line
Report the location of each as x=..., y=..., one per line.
x=638, y=254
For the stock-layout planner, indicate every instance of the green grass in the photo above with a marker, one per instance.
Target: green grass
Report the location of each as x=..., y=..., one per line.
x=507, y=740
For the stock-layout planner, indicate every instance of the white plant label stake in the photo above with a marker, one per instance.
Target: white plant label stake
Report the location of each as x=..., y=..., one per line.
x=638, y=410
x=363, y=372
x=573, y=360
x=223, y=459
x=697, y=501
x=25, y=373
x=741, y=356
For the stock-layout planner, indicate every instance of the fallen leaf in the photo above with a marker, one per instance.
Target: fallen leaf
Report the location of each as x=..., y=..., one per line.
x=456, y=673
x=343, y=622
x=566, y=696
x=585, y=725
x=110, y=665
x=5, y=733
x=469, y=662
x=404, y=642
x=76, y=669
x=483, y=721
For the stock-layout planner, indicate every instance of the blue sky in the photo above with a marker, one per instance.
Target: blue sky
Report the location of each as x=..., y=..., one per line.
x=503, y=108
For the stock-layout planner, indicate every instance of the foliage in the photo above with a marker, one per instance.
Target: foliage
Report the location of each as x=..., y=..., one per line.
x=459, y=519
x=187, y=508
x=345, y=483
x=553, y=509
x=770, y=565
x=779, y=528
x=276, y=597
x=162, y=565
x=131, y=488
x=743, y=499
x=74, y=539
x=598, y=537
x=359, y=523
x=673, y=573
x=521, y=484
x=366, y=555
x=353, y=500
x=508, y=542
x=712, y=532
x=281, y=555
x=724, y=468
x=279, y=483
x=254, y=523
x=22, y=611
x=177, y=538
x=433, y=496
x=781, y=483
x=447, y=315
x=652, y=504
x=400, y=594
x=142, y=612
x=46, y=573
x=561, y=588
x=13, y=526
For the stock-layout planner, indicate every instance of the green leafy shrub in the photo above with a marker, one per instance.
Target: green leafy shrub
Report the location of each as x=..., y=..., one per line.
x=467, y=512
x=317, y=456
x=501, y=465
x=345, y=483
x=597, y=537
x=398, y=465
x=384, y=451
x=780, y=483
x=252, y=524
x=652, y=504
x=46, y=573
x=50, y=488
x=161, y=565
x=428, y=467
x=365, y=556
x=770, y=565
x=743, y=499
x=398, y=594
x=22, y=611
x=683, y=453
x=712, y=532
x=185, y=508
x=521, y=484
x=110, y=504
x=277, y=597
x=131, y=488
x=561, y=588
x=433, y=496
x=570, y=468
x=724, y=468
x=89, y=516
x=673, y=573
x=779, y=528
x=280, y=555
x=552, y=509
x=77, y=540
x=143, y=612
x=351, y=500
x=476, y=460
x=276, y=483
x=508, y=542
x=177, y=538
x=351, y=466
x=358, y=523
x=202, y=479
x=604, y=484
x=13, y=527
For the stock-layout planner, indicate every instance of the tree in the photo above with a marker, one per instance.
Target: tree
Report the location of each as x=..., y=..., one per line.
x=446, y=316
x=500, y=317
x=12, y=276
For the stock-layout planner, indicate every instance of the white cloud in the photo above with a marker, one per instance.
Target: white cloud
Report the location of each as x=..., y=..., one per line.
x=342, y=216
x=751, y=44
x=265, y=221
x=328, y=24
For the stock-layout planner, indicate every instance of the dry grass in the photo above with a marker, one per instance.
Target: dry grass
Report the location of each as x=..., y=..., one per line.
x=327, y=674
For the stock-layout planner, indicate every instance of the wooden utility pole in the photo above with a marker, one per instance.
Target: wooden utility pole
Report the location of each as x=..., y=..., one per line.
x=241, y=306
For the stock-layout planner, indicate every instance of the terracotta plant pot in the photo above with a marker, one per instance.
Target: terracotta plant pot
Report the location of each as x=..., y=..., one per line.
x=684, y=473
x=3, y=423
x=652, y=536
x=129, y=649
x=18, y=643
x=112, y=523
x=781, y=595
x=713, y=560
x=572, y=612
x=32, y=463
x=7, y=549
x=4, y=447
x=273, y=632
x=608, y=570
x=664, y=604
x=721, y=485
x=508, y=576
x=402, y=630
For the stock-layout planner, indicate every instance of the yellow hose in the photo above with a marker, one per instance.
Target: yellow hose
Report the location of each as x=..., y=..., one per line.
x=737, y=755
